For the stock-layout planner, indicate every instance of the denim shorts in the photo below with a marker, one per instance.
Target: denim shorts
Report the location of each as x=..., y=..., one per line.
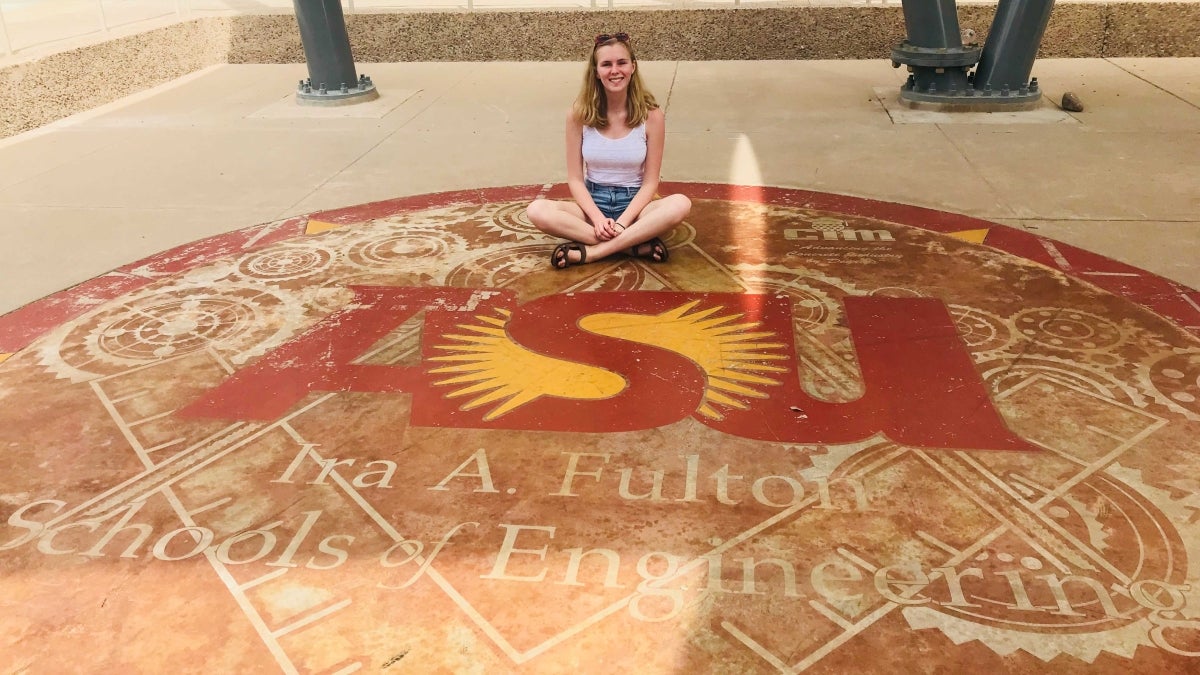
x=612, y=200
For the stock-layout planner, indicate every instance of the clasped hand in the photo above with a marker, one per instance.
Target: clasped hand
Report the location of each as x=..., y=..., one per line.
x=607, y=228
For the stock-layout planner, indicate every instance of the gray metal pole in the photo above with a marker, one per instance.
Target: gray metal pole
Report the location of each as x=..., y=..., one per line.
x=331, y=76
x=326, y=44
x=933, y=52
x=1012, y=44
x=938, y=61
x=932, y=23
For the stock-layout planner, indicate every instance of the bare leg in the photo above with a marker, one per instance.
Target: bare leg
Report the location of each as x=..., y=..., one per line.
x=566, y=220
x=561, y=219
x=656, y=219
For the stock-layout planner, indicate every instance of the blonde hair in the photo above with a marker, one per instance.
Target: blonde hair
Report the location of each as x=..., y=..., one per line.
x=591, y=106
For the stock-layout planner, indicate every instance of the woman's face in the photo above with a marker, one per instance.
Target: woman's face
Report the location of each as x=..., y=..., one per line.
x=614, y=66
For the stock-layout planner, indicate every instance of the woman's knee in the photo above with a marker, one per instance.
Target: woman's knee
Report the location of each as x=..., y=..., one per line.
x=685, y=205
x=539, y=211
x=679, y=206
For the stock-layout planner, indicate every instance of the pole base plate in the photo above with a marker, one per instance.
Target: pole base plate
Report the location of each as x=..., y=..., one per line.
x=359, y=93
x=976, y=102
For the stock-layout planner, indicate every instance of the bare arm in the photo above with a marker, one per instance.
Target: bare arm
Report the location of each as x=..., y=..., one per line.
x=656, y=133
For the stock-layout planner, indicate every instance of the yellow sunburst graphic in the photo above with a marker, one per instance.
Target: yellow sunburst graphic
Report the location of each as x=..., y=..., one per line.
x=732, y=354
x=735, y=358
x=500, y=370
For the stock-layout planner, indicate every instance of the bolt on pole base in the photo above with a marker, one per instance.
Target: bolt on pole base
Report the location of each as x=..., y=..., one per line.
x=322, y=95
x=970, y=99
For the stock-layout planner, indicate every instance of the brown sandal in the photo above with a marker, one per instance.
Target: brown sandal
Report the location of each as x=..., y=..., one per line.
x=561, y=257
x=656, y=253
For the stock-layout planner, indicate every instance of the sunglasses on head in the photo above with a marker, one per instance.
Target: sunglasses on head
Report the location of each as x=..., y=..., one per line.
x=605, y=37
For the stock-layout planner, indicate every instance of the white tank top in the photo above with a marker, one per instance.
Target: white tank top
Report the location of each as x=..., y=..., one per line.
x=620, y=161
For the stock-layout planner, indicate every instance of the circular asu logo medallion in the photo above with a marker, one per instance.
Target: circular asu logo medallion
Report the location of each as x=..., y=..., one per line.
x=829, y=434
